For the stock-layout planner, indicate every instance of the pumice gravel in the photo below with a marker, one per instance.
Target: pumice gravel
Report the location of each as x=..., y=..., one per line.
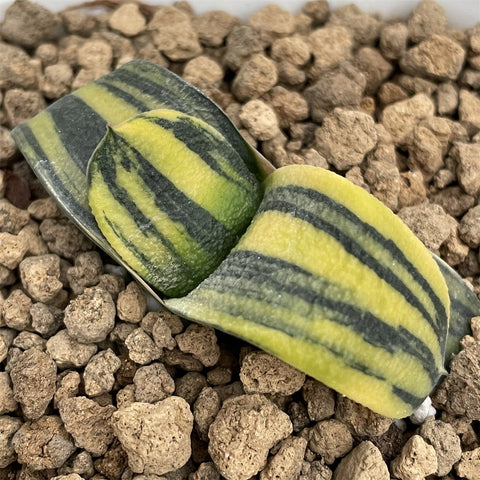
x=93, y=384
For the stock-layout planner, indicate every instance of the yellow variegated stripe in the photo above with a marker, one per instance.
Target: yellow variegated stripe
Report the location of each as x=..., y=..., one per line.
x=175, y=233
x=109, y=106
x=119, y=219
x=327, y=332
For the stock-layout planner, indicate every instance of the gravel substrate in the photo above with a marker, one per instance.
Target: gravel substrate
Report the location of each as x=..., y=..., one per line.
x=96, y=383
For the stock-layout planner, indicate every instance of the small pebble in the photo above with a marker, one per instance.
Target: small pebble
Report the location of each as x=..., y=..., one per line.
x=141, y=347
x=272, y=22
x=127, y=20
x=361, y=421
x=459, y=393
x=40, y=277
x=16, y=69
x=346, y=137
x=57, y=80
x=213, y=27
x=393, y=40
x=286, y=464
x=445, y=441
x=98, y=375
x=86, y=272
x=400, y=118
x=201, y=342
x=365, y=457
x=262, y=373
x=173, y=34
x=16, y=310
x=29, y=24
x=153, y=383
x=33, y=379
x=131, y=303
x=417, y=460
x=428, y=18
x=203, y=72
x=68, y=387
x=68, y=352
x=43, y=444
x=331, y=439
x=88, y=423
x=8, y=427
x=246, y=423
x=77, y=21
x=205, y=409
x=254, y=78
x=428, y=221
x=330, y=46
x=94, y=308
x=148, y=443
x=7, y=400
x=469, y=110
x=469, y=465
x=364, y=27
x=20, y=105
x=438, y=57
x=342, y=87
x=259, y=119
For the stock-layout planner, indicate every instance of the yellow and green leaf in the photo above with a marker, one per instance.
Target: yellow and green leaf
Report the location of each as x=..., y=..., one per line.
x=172, y=197
x=331, y=281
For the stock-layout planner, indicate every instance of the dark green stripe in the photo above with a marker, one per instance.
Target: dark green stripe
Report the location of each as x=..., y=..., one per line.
x=172, y=90
x=250, y=273
x=152, y=93
x=162, y=282
x=197, y=221
x=108, y=84
x=317, y=209
x=131, y=74
x=407, y=397
x=79, y=128
x=201, y=142
x=49, y=177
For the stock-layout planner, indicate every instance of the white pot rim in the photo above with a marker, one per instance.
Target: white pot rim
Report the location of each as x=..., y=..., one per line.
x=463, y=14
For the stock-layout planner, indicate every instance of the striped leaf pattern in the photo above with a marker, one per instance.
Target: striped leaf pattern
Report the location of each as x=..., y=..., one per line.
x=325, y=277
x=58, y=142
x=329, y=280
x=172, y=196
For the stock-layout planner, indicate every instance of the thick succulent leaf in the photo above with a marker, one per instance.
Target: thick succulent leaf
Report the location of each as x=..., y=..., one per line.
x=58, y=142
x=331, y=281
x=172, y=196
